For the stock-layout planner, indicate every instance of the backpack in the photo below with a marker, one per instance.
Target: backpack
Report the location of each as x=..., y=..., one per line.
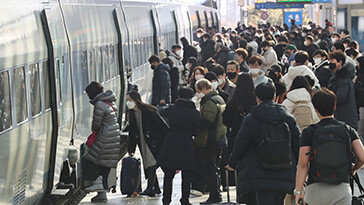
x=303, y=114
x=274, y=148
x=331, y=155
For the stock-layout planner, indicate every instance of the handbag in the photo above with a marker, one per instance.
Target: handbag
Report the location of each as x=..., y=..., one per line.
x=356, y=200
x=92, y=138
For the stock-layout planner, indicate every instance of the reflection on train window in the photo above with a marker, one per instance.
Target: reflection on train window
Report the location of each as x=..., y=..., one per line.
x=34, y=88
x=112, y=61
x=92, y=65
x=20, y=95
x=84, y=72
x=106, y=63
x=99, y=60
x=59, y=79
x=46, y=82
x=5, y=109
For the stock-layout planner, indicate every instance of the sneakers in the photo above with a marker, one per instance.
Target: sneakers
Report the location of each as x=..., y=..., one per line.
x=196, y=192
x=97, y=186
x=100, y=197
x=212, y=200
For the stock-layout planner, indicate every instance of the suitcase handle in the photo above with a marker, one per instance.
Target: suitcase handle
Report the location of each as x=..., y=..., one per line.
x=227, y=183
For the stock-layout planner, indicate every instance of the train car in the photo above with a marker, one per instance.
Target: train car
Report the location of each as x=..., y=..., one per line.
x=50, y=50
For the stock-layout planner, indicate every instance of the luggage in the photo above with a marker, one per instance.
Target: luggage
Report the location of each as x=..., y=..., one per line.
x=357, y=200
x=228, y=189
x=130, y=177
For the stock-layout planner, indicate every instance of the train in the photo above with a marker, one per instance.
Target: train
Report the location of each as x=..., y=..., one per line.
x=50, y=50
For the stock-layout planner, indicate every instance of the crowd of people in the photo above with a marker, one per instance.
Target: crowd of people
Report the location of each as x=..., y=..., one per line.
x=283, y=106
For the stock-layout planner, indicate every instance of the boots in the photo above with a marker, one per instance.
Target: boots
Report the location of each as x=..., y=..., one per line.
x=151, y=190
x=100, y=197
x=157, y=190
x=97, y=185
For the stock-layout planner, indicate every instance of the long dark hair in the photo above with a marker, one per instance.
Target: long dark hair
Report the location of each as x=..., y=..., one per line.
x=244, y=96
x=134, y=95
x=301, y=82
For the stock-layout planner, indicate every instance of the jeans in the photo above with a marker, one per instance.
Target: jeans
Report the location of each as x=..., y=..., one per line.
x=168, y=181
x=270, y=197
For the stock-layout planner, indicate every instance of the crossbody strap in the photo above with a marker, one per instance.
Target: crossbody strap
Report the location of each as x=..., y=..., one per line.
x=110, y=105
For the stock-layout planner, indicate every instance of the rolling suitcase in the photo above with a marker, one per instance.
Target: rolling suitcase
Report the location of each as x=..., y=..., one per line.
x=228, y=189
x=130, y=177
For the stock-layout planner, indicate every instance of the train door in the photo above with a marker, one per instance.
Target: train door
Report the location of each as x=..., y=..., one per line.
x=156, y=29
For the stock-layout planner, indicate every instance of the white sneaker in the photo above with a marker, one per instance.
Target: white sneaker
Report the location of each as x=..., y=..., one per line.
x=196, y=192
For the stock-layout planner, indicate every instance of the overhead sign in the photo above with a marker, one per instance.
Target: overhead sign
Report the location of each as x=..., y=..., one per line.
x=321, y=1
x=278, y=6
x=264, y=16
x=296, y=15
x=294, y=1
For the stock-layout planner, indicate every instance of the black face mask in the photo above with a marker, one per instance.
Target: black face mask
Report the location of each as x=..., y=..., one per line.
x=231, y=75
x=152, y=67
x=332, y=66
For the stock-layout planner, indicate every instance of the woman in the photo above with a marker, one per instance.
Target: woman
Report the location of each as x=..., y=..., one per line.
x=104, y=153
x=147, y=129
x=237, y=108
x=359, y=93
x=298, y=102
x=275, y=73
x=178, y=152
x=197, y=74
x=191, y=65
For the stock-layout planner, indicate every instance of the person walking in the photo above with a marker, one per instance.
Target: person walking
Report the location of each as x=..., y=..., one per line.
x=188, y=50
x=147, y=129
x=161, y=87
x=269, y=56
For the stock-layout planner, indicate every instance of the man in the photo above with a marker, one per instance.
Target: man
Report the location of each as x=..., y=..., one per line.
x=289, y=54
x=207, y=47
x=310, y=47
x=299, y=69
x=280, y=47
x=242, y=55
x=335, y=37
x=206, y=141
x=342, y=85
x=339, y=46
x=221, y=56
x=269, y=56
x=326, y=186
x=345, y=34
x=161, y=85
x=322, y=67
x=224, y=83
x=176, y=57
x=258, y=75
x=232, y=71
x=234, y=40
x=262, y=166
x=352, y=54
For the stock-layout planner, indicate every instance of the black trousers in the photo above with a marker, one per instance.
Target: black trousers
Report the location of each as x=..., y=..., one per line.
x=91, y=171
x=207, y=171
x=168, y=182
x=270, y=197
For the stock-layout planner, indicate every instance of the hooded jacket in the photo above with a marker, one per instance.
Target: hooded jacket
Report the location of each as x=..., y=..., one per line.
x=342, y=85
x=188, y=51
x=323, y=73
x=161, y=89
x=244, y=158
x=300, y=70
x=106, y=149
x=269, y=58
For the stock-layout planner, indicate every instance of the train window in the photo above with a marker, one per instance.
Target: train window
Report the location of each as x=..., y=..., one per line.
x=84, y=71
x=106, y=63
x=99, y=66
x=46, y=82
x=112, y=61
x=34, y=88
x=5, y=108
x=92, y=61
x=20, y=96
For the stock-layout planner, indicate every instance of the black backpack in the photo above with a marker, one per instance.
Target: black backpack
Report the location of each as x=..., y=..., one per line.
x=274, y=148
x=331, y=155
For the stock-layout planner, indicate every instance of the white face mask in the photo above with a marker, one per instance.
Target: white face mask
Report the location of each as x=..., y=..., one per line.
x=188, y=65
x=199, y=77
x=333, y=40
x=254, y=71
x=179, y=52
x=214, y=85
x=198, y=35
x=130, y=104
x=200, y=95
x=317, y=60
x=220, y=81
x=306, y=43
x=304, y=34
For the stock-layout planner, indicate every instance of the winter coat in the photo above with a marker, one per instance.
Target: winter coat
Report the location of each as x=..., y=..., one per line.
x=244, y=67
x=106, y=149
x=269, y=58
x=295, y=71
x=261, y=79
x=244, y=158
x=359, y=90
x=342, y=85
x=161, y=89
x=178, y=151
x=174, y=75
x=279, y=49
x=253, y=45
x=188, y=51
x=303, y=97
x=323, y=73
x=229, y=87
x=207, y=49
x=154, y=131
x=222, y=57
x=208, y=113
x=351, y=67
x=311, y=50
x=177, y=62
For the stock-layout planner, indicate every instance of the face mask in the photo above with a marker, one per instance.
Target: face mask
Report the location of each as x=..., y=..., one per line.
x=220, y=81
x=317, y=60
x=130, y=105
x=332, y=66
x=188, y=65
x=254, y=71
x=333, y=40
x=214, y=85
x=179, y=52
x=200, y=95
x=199, y=77
x=304, y=34
x=231, y=75
x=198, y=35
x=306, y=43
